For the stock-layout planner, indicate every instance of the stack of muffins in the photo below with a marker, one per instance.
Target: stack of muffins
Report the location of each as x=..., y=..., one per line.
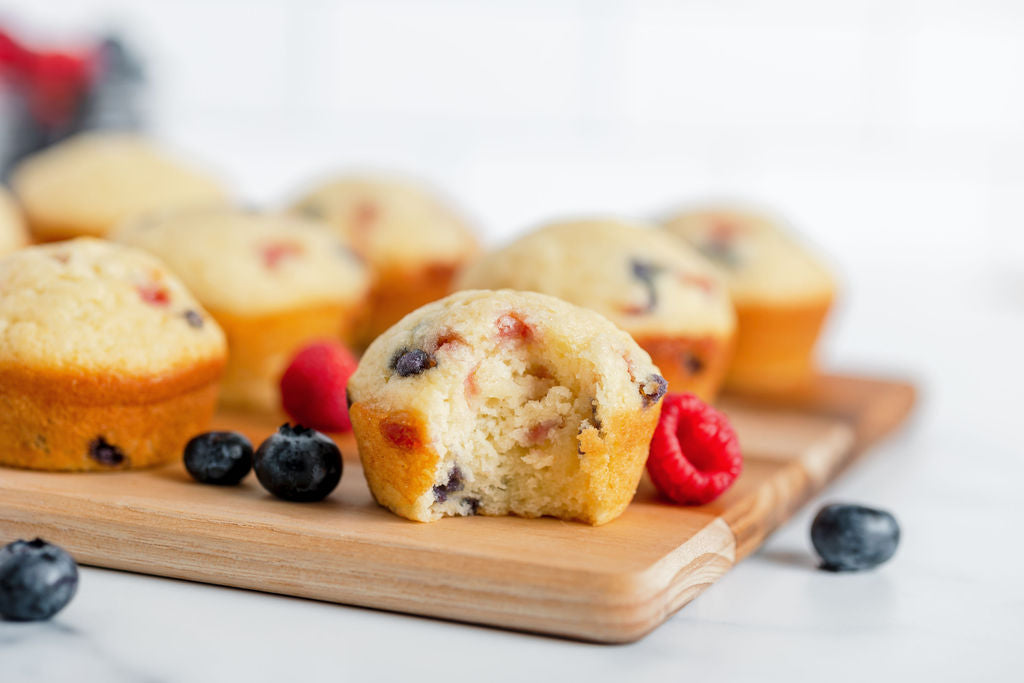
x=159, y=296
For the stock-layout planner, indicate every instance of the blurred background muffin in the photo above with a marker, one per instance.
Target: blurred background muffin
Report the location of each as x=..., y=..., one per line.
x=273, y=282
x=781, y=291
x=412, y=241
x=89, y=183
x=661, y=291
x=12, y=226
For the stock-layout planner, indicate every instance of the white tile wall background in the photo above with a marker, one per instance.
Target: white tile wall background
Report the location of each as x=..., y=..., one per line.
x=890, y=131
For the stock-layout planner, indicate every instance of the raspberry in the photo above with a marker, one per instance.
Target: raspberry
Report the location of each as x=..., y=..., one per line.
x=313, y=386
x=695, y=455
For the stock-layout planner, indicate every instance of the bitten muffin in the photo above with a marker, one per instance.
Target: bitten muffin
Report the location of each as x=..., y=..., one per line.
x=89, y=183
x=781, y=292
x=12, y=228
x=501, y=403
x=412, y=242
x=665, y=294
x=273, y=281
x=106, y=360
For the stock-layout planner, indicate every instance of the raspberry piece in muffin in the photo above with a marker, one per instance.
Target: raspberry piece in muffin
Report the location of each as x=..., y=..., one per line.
x=665, y=294
x=97, y=372
x=539, y=408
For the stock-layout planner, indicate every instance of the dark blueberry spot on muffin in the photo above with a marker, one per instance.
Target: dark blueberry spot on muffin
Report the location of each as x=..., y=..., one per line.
x=105, y=453
x=472, y=504
x=453, y=485
x=645, y=272
x=193, y=319
x=720, y=244
x=692, y=363
x=593, y=414
x=652, y=389
x=408, y=362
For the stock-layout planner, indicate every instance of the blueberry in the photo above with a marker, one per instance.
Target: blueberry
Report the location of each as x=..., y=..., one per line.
x=652, y=389
x=854, y=537
x=105, y=453
x=37, y=580
x=693, y=363
x=193, y=319
x=298, y=463
x=453, y=485
x=646, y=272
x=222, y=458
x=411, y=362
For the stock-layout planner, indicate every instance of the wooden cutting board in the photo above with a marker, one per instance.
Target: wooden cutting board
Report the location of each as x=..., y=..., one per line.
x=611, y=584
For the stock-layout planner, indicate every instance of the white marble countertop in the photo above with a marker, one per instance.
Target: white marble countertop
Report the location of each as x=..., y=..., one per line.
x=949, y=606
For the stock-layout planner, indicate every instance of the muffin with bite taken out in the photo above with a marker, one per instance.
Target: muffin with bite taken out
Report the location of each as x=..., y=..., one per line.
x=503, y=402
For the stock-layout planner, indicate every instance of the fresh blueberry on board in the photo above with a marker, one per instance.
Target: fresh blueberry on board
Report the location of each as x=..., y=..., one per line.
x=37, y=580
x=298, y=464
x=852, y=538
x=222, y=458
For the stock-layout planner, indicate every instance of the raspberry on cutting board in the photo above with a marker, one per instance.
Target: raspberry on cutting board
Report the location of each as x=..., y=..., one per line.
x=313, y=386
x=695, y=455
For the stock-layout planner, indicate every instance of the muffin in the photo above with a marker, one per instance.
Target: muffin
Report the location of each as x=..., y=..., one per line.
x=273, y=281
x=501, y=403
x=91, y=182
x=665, y=294
x=412, y=242
x=12, y=227
x=781, y=292
x=106, y=360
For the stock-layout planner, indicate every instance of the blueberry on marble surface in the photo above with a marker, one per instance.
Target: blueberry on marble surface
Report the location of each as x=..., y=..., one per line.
x=854, y=537
x=37, y=580
x=298, y=464
x=221, y=458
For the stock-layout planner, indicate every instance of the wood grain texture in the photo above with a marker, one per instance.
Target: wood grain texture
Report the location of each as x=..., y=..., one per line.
x=610, y=584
